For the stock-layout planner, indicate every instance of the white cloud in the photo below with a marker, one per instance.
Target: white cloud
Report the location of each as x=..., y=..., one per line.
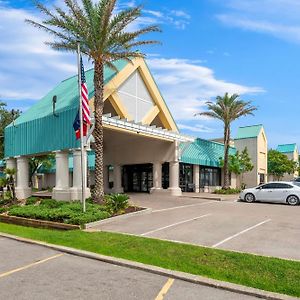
x=187, y=86
x=279, y=18
x=195, y=128
x=176, y=18
x=29, y=68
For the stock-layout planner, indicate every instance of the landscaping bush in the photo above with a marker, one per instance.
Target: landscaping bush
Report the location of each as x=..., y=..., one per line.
x=31, y=200
x=59, y=211
x=4, y=201
x=2, y=210
x=117, y=203
x=229, y=191
x=51, y=203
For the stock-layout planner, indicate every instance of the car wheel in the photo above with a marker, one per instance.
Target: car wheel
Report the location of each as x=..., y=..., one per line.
x=249, y=198
x=292, y=200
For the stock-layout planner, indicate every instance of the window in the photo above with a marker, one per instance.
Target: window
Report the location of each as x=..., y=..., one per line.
x=269, y=186
x=210, y=177
x=284, y=186
x=261, y=178
x=185, y=177
x=276, y=185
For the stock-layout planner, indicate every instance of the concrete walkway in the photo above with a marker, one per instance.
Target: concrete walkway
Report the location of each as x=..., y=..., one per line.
x=211, y=196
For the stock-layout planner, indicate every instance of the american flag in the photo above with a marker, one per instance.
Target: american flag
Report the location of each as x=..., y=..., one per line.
x=86, y=114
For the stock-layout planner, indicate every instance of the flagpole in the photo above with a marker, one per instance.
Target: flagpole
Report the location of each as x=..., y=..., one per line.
x=83, y=171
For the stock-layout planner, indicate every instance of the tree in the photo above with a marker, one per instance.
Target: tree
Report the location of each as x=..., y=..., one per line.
x=239, y=164
x=103, y=32
x=37, y=162
x=6, y=117
x=228, y=109
x=279, y=164
x=9, y=182
x=246, y=165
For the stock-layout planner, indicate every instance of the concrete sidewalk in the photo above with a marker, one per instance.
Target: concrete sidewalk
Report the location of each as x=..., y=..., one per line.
x=211, y=196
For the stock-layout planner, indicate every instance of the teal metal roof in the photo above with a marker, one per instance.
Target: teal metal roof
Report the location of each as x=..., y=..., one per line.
x=38, y=130
x=248, y=132
x=203, y=152
x=287, y=148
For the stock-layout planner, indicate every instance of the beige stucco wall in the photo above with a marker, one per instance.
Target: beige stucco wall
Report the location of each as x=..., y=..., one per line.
x=123, y=148
x=234, y=183
x=250, y=178
x=258, y=152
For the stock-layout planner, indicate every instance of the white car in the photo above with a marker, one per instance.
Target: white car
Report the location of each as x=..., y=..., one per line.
x=277, y=192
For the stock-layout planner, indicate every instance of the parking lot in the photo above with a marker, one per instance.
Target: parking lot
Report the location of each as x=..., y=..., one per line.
x=260, y=228
x=35, y=272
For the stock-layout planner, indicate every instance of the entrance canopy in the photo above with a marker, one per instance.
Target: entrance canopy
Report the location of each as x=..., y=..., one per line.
x=132, y=101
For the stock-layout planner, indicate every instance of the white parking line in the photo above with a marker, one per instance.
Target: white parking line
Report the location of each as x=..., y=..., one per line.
x=182, y=206
x=175, y=224
x=239, y=233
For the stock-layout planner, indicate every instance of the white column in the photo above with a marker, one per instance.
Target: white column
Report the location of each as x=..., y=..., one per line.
x=118, y=179
x=196, y=178
x=174, y=179
x=62, y=186
x=174, y=188
x=11, y=163
x=76, y=190
x=157, y=177
x=23, y=190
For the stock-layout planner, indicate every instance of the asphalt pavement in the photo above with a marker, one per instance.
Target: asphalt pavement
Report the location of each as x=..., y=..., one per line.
x=34, y=272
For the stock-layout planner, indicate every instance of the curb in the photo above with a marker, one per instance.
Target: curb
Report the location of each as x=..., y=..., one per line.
x=231, y=287
x=121, y=217
x=203, y=197
x=37, y=223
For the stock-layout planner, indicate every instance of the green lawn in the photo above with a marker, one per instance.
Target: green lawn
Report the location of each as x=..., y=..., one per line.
x=271, y=274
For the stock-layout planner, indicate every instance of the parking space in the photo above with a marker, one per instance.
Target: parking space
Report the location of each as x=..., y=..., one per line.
x=266, y=229
x=35, y=272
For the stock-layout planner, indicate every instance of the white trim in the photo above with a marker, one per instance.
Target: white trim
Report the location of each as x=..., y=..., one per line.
x=239, y=233
x=175, y=224
x=183, y=206
x=151, y=130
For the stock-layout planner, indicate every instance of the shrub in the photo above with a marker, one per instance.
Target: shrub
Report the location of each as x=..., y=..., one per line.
x=2, y=209
x=51, y=203
x=117, y=203
x=31, y=200
x=59, y=211
x=4, y=201
x=229, y=191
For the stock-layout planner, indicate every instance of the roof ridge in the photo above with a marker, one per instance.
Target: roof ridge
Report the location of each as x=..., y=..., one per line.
x=214, y=142
x=77, y=75
x=287, y=144
x=251, y=126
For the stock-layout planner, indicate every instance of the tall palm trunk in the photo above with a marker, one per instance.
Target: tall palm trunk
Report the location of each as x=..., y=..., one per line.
x=226, y=150
x=98, y=131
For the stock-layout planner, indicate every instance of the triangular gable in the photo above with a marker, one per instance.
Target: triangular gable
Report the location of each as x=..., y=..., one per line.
x=135, y=96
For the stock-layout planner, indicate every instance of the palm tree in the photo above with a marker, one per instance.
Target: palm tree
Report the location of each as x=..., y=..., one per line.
x=227, y=109
x=102, y=30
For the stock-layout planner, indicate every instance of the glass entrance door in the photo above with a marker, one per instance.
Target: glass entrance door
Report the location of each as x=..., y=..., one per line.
x=186, y=177
x=138, y=178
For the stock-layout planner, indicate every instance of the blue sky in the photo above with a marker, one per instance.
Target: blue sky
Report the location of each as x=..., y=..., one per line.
x=250, y=47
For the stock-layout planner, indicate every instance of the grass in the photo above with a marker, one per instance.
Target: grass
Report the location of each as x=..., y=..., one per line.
x=271, y=274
